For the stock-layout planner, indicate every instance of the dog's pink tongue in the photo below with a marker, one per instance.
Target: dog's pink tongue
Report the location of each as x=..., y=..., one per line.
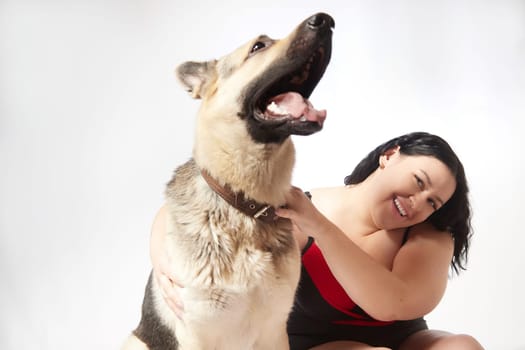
x=296, y=106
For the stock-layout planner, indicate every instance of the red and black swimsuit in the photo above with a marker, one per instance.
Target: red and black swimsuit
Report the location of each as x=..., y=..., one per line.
x=323, y=312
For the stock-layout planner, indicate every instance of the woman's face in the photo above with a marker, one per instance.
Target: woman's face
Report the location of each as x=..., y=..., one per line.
x=409, y=189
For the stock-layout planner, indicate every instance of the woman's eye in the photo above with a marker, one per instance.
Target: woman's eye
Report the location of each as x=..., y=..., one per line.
x=419, y=182
x=432, y=203
x=257, y=46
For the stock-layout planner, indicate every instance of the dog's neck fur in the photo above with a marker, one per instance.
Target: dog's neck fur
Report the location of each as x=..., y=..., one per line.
x=262, y=172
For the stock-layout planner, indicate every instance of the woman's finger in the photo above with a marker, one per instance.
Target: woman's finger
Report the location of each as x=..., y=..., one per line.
x=284, y=213
x=170, y=293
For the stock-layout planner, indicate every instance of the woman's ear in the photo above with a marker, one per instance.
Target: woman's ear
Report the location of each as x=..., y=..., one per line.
x=387, y=156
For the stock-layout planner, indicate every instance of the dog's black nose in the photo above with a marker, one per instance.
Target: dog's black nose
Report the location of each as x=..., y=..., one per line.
x=320, y=20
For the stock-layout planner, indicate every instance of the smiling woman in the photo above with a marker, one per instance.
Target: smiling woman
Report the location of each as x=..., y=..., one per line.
x=410, y=196
x=376, y=252
x=454, y=216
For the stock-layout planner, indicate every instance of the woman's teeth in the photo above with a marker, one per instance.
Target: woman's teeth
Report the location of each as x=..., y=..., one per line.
x=399, y=207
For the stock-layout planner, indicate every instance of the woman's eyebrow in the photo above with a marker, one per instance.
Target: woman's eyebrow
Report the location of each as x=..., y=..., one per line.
x=430, y=184
x=426, y=175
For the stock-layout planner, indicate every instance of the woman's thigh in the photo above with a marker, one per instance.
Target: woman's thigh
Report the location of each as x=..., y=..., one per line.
x=440, y=340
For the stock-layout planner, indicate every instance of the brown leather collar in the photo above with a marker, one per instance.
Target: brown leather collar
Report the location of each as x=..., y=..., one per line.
x=262, y=212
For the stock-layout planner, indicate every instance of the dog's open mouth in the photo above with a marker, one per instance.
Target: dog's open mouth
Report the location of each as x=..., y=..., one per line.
x=286, y=100
x=291, y=105
x=275, y=103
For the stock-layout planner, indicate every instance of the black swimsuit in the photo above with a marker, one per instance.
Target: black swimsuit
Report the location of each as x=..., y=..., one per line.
x=323, y=312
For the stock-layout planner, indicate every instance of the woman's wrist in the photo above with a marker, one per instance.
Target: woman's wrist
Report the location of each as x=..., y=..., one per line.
x=324, y=229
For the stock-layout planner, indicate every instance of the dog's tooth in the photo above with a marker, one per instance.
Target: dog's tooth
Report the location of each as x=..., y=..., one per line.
x=303, y=118
x=272, y=107
x=276, y=109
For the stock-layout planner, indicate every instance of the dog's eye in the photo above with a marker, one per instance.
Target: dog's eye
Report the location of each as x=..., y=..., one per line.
x=257, y=46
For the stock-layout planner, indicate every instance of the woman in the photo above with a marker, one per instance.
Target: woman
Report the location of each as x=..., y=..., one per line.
x=376, y=252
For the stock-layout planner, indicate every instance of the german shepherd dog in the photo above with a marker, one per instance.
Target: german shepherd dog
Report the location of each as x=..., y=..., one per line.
x=238, y=261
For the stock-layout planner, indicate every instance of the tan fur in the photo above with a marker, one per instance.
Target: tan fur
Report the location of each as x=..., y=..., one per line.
x=239, y=274
x=222, y=143
x=133, y=343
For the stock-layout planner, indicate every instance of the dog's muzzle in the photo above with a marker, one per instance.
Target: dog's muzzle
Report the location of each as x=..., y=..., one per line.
x=278, y=101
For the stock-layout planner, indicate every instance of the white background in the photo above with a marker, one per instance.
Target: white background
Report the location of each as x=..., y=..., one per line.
x=93, y=122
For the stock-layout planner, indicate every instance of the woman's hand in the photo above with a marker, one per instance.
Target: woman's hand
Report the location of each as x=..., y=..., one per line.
x=162, y=267
x=169, y=287
x=303, y=214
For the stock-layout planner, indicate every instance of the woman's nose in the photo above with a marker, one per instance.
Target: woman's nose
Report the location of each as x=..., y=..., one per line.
x=418, y=200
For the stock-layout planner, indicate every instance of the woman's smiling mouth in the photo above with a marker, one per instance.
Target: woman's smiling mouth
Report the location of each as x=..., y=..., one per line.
x=399, y=207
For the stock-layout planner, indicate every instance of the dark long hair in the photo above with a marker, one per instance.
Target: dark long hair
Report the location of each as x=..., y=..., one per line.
x=455, y=215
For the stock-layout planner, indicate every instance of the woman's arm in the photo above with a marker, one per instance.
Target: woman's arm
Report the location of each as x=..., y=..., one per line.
x=162, y=270
x=411, y=289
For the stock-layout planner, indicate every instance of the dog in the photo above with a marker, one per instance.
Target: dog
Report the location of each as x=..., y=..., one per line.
x=238, y=261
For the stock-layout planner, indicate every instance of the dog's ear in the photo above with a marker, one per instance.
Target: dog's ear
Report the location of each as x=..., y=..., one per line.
x=195, y=75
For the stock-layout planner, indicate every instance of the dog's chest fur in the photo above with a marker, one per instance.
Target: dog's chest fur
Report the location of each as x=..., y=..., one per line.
x=230, y=263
